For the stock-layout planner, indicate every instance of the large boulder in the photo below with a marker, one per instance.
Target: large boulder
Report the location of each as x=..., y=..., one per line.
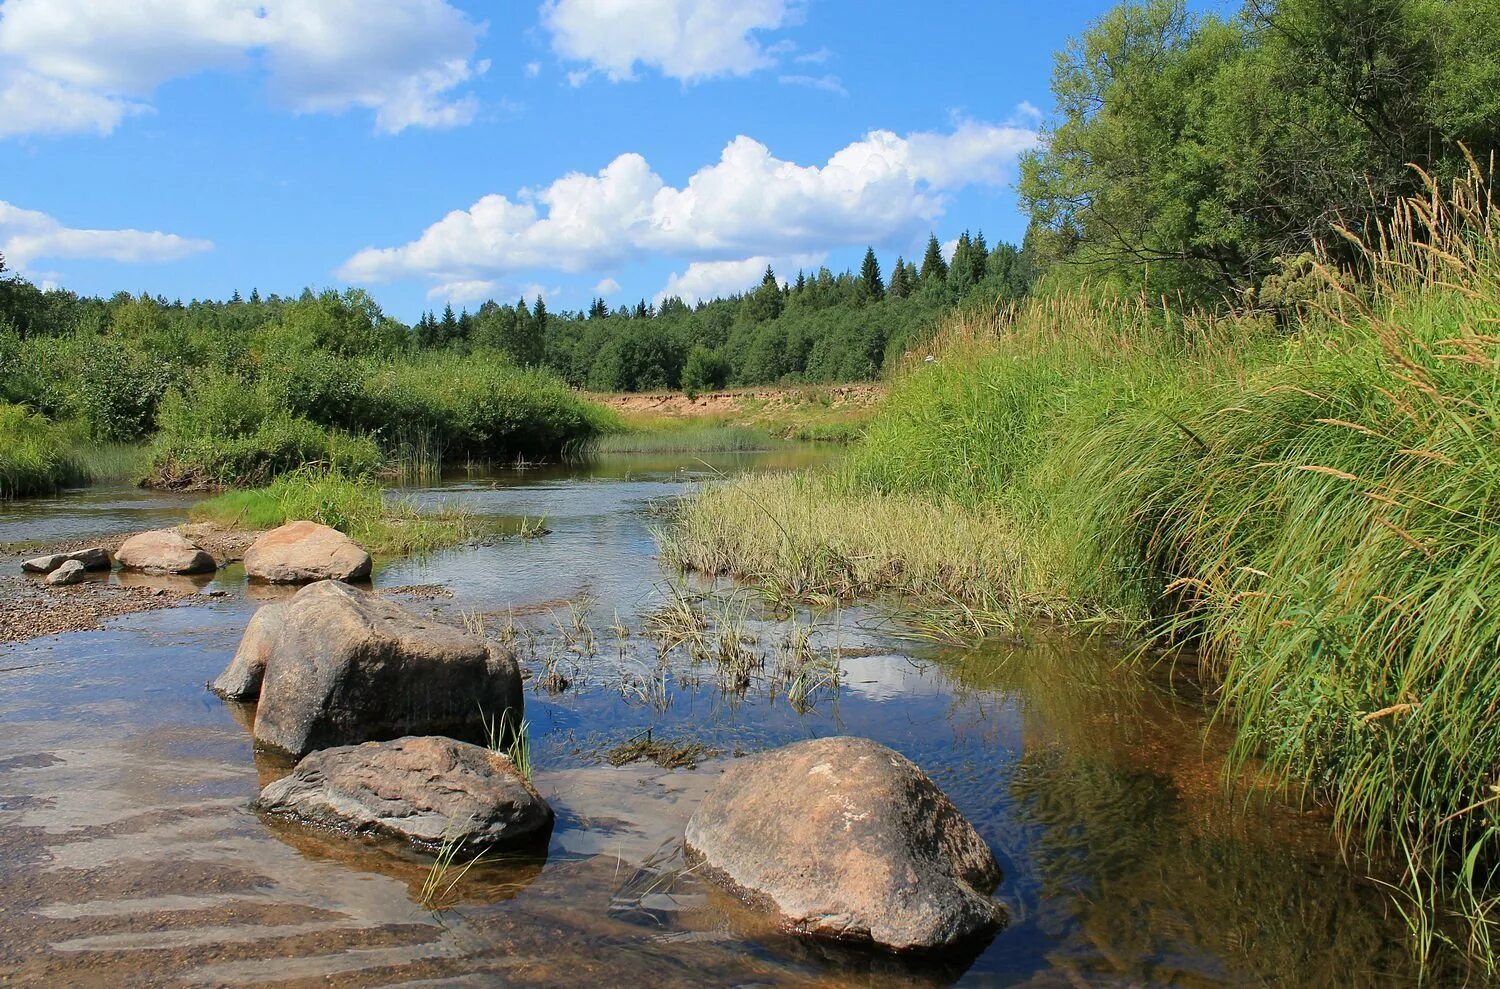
x=71, y=572
x=848, y=839
x=301, y=552
x=423, y=790
x=93, y=558
x=164, y=551
x=340, y=665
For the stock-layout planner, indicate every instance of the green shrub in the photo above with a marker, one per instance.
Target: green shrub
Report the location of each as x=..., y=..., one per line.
x=223, y=431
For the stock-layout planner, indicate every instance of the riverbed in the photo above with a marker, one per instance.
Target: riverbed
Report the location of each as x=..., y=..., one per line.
x=129, y=855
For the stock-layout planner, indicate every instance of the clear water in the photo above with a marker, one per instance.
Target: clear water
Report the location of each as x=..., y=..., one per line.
x=128, y=854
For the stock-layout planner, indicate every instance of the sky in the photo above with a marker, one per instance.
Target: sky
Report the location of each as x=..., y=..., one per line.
x=446, y=151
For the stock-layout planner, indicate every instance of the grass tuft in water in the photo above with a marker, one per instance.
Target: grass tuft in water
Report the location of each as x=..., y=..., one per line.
x=355, y=506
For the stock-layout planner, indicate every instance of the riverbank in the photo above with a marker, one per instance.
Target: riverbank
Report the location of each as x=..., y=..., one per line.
x=1310, y=506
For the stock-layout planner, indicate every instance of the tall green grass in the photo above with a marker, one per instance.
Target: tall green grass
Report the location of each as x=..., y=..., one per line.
x=686, y=438
x=1318, y=509
x=34, y=454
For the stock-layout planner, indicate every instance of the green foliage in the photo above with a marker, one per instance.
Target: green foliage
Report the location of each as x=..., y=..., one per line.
x=1313, y=510
x=34, y=455
x=1189, y=152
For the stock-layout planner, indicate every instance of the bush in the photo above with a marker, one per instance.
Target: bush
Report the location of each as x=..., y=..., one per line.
x=224, y=431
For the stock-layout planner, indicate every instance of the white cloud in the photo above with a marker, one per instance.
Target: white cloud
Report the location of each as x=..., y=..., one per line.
x=29, y=235
x=708, y=279
x=470, y=290
x=533, y=69
x=950, y=248
x=74, y=66
x=828, y=84
x=607, y=287
x=747, y=204
x=688, y=40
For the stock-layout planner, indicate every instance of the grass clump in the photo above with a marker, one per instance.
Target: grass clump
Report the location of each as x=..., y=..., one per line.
x=353, y=505
x=688, y=437
x=35, y=454
x=1318, y=509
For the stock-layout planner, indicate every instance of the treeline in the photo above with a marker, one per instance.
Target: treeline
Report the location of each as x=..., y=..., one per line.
x=1210, y=159
x=812, y=327
x=238, y=392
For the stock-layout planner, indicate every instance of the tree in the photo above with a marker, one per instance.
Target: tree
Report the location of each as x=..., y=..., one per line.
x=899, y=288
x=961, y=271
x=869, y=274
x=934, y=268
x=704, y=370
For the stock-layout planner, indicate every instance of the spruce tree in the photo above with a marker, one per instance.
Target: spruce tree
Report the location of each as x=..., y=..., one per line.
x=934, y=268
x=961, y=271
x=899, y=288
x=979, y=256
x=869, y=273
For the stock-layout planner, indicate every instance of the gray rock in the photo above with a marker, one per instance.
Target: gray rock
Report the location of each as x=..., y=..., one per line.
x=341, y=665
x=70, y=572
x=423, y=790
x=93, y=558
x=300, y=552
x=848, y=839
x=241, y=680
x=164, y=551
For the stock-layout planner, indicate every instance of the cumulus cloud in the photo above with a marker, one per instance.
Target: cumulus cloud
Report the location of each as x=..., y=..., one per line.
x=72, y=66
x=459, y=292
x=29, y=235
x=606, y=287
x=748, y=204
x=708, y=279
x=688, y=40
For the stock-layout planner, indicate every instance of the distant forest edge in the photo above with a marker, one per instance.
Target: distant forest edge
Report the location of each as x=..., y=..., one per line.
x=809, y=327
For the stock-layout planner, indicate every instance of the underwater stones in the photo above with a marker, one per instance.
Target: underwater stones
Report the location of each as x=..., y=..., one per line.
x=164, y=551
x=848, y=839
x=423, y=790
x=340, y=665
x=70, y=572
x=93, y=558
x=301, y=552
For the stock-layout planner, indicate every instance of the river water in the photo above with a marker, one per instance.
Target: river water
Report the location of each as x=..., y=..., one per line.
x=129, y=855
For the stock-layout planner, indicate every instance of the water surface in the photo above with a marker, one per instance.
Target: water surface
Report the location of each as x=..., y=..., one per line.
x=128, y=854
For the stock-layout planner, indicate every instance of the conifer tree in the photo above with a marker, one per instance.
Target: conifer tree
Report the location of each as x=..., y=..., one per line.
x=869, y=273
x=979, y=257
x=961, y=271
x=899, y=288
x=934, y=268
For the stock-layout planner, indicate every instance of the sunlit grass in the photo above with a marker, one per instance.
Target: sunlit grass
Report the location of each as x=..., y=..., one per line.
x=380, y=522
x=1317, y=507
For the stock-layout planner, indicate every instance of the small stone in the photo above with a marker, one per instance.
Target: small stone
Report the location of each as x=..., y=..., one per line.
x=69, y=572
x=93, y=558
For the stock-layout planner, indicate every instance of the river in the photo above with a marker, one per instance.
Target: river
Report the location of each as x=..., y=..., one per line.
x=129, y=855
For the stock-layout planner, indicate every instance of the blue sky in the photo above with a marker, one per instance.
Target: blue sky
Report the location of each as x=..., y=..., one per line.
x=423, y=149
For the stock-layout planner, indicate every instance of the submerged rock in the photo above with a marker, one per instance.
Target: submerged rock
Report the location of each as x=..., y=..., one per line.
x=423, y=790
x=339, y=665
x=848, y=839
x=301, y=552
x=93, y=558
x=164, y=551
x=70, y=572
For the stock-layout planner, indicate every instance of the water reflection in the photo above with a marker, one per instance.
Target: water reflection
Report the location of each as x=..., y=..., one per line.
x=128, y=852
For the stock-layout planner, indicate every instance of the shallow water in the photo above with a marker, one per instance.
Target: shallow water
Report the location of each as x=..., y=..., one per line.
x=128, y=854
